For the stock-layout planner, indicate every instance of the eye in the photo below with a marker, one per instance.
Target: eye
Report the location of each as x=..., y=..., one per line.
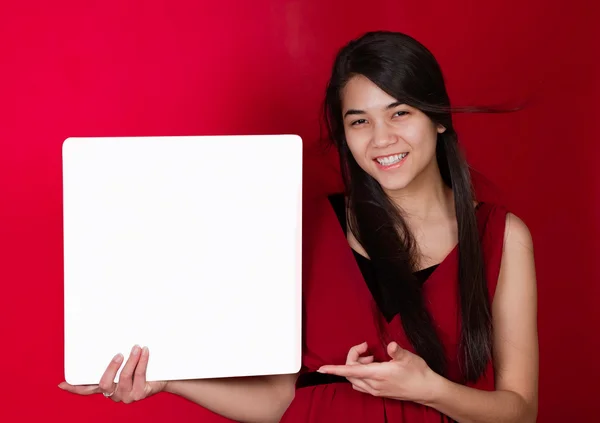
x=358, y=122
x=400, y=113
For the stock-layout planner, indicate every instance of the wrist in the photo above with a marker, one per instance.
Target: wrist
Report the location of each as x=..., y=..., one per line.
x=168, y=387
x=435, y=387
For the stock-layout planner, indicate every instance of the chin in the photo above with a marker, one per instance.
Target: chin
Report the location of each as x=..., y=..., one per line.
x=394, y=179
x=394, y=184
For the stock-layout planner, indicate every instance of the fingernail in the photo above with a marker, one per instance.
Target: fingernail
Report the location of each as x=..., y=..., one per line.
x=135, y=350
x=118, y=358
x=145, y=350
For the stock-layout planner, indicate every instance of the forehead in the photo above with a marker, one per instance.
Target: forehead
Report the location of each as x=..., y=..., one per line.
x=361, y=93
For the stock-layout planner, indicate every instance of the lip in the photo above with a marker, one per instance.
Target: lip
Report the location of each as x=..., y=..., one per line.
x=392, y=166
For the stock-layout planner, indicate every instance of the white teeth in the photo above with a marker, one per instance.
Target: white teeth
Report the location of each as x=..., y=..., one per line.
x=390, y=160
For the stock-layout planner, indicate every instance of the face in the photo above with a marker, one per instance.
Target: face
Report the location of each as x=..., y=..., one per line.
x=391, y=141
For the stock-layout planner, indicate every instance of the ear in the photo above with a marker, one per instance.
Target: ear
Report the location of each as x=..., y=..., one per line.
x=441, y=129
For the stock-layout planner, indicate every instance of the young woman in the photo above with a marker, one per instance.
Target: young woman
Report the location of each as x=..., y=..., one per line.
x=420, y=301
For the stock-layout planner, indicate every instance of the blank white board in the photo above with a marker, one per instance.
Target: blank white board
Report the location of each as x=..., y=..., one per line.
x=188, y=245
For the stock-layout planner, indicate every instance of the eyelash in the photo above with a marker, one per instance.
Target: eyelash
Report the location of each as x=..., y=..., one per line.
x=357, y=122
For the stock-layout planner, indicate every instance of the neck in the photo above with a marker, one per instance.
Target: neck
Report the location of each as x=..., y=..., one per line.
x=426, y=197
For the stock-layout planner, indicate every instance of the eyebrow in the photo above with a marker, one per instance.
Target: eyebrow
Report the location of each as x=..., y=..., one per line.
x=362, y=112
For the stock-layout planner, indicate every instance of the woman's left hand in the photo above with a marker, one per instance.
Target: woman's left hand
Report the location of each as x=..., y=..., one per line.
x=405, y=377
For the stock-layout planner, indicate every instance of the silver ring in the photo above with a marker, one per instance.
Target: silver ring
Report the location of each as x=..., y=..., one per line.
x=109, y=395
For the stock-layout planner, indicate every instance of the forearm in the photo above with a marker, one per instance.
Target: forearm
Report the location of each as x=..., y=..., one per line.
x=247, y=400
x=469, y=405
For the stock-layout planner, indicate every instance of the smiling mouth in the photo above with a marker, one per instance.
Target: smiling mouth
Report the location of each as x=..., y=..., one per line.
x=391, y=160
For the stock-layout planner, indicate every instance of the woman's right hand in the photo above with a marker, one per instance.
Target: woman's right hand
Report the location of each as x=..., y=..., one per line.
x=132, y=385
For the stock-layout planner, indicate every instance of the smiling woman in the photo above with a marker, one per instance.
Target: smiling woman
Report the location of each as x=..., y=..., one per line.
x=447, y=327
x=387, y=134
x=420, y=301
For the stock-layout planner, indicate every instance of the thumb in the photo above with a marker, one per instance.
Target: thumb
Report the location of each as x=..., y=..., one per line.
x=394, y=351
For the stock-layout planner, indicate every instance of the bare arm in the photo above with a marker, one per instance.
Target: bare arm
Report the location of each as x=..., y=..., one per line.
x=515, y=344
x=248, y=400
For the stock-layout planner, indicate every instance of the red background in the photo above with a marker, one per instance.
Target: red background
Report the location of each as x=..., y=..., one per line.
x=115, y=67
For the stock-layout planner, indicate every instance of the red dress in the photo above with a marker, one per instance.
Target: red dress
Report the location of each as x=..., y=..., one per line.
x=339, y=313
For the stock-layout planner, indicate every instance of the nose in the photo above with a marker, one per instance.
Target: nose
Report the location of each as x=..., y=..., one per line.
x=383, y=136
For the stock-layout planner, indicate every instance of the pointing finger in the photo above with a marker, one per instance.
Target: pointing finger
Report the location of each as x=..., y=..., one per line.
x=366, y=371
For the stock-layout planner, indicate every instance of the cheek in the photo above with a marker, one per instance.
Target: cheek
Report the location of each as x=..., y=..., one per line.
x=358, y=149
x=423, y=141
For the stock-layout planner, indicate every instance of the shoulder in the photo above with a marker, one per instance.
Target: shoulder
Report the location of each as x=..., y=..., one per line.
x=507, y=227
x=517, y=269
x=507, y=245
x=507, y=234
x=517, y=235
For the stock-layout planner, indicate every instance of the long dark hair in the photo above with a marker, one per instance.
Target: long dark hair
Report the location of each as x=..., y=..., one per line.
x=407, y=71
